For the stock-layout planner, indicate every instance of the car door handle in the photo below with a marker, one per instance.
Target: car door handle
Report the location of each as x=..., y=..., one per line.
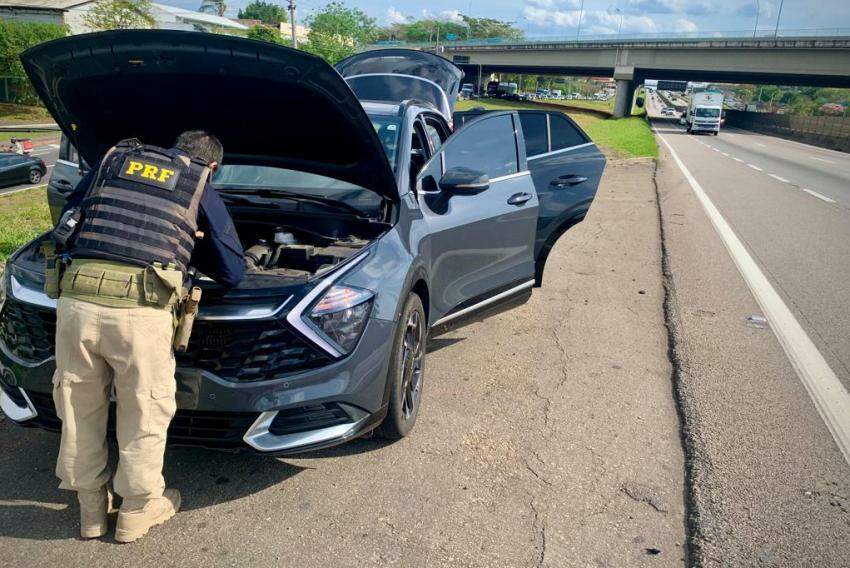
x=567, y=181
x=63, y=183
x=519, y=198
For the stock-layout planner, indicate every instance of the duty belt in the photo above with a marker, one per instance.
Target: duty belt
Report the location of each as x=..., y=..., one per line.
x=122, y=285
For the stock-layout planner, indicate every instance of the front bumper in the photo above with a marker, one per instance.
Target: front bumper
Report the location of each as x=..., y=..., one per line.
x=705, y=127
x=291, y=413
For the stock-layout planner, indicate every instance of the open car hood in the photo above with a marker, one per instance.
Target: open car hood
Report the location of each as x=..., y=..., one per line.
x=268, y=104
x=395, y=75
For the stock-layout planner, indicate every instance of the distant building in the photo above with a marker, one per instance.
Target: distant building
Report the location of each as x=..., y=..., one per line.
x=72, y=14
x=301, y=32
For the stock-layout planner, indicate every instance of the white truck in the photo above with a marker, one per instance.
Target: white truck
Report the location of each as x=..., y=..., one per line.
x=705, y=111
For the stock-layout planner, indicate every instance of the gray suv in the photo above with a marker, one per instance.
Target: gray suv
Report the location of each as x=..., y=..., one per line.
x=370, y=222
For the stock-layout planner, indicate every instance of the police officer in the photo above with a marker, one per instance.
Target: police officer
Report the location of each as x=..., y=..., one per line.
x=137, y=220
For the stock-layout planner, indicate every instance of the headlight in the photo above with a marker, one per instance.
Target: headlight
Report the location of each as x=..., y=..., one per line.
x=341, y=314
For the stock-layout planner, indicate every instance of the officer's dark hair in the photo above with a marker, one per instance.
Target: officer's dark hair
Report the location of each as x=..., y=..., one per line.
x=200, y=144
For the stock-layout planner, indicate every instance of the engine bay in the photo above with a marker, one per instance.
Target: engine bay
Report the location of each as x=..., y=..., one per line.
x=284, y=252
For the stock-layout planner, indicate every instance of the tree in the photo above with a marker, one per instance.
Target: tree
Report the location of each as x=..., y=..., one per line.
x=336, y=31
x=217, y=7
x=15, y=38
x=430, y=30
x=263, y=33
x=266, y=12
x=485, y=28
x=120, y=15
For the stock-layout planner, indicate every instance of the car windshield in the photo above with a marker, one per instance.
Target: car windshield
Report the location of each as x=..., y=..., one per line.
x=270, y=178
x=708, y=112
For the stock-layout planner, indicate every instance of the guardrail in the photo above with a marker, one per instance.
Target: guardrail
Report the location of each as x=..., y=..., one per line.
x=762, y=34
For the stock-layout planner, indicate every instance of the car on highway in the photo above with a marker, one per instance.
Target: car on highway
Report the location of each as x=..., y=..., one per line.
x=20, y=168
x=369, y=225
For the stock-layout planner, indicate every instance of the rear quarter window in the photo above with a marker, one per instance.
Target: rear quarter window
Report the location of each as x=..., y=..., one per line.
x=564, y=133
x=535, y=131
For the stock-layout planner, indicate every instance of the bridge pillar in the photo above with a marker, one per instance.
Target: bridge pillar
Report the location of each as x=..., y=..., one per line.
x=625, y=77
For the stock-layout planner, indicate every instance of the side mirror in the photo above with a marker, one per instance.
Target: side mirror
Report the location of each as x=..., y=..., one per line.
x=639, y=102
x=464, y=181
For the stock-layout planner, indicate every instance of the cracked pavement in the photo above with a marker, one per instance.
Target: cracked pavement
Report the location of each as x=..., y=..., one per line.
x=548, y=437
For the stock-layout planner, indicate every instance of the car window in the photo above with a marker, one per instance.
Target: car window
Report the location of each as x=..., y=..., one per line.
x=436, y=131
x=536, y=132
x=564, y=134
x=487, y=145
x=387, y=128
x=708, y=112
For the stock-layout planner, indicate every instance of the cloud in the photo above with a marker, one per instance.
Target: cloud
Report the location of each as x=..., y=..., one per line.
x=451, y=16
x=593, y=21
x=689, y=7
x=395, y=17
x=683, y=25
x=555, y=4
x=748, y=9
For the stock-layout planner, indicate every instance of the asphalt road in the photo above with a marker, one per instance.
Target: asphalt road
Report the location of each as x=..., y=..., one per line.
x=548, y=436
x=790, y=203
x=47, y=151
x=768, y=484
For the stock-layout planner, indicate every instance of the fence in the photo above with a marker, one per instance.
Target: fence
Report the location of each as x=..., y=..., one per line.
x=824, y=131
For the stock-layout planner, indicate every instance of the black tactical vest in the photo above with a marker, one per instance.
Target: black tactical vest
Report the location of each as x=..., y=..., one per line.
x=143, y=207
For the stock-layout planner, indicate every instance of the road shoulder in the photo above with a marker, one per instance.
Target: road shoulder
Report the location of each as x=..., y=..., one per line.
x=767, y=484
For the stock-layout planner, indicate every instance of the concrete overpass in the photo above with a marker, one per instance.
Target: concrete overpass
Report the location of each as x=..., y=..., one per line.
x=815, y=61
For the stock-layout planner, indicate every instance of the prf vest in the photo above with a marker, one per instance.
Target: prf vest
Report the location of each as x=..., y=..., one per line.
x=143, y=207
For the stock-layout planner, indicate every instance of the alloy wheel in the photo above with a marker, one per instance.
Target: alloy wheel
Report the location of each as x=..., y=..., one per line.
x=35, y=176
x=413, y=353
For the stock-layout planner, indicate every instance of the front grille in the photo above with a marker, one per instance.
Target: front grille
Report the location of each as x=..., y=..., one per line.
x=249, y=351
x=222, y=430
x=28, y=331
x=235, y=351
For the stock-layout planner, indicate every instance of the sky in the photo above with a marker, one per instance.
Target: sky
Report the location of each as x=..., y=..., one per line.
x=561, y=17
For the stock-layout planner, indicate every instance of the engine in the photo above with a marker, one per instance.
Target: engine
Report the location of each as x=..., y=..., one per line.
x=285, y=254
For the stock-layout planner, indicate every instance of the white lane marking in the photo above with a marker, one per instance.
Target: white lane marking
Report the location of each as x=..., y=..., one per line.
x=53, y=145
x=738, y=159
x=776, y=177
x=818, y=195
x=829, y=396
x=759, y=144
x=756, y=168
x=725, y=154
x=822, y=160
x=42, y=151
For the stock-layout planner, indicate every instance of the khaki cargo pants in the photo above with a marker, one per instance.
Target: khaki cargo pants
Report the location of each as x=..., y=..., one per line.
x=128, y=347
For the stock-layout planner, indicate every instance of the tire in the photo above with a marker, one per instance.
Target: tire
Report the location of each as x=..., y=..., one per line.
x=407, y=371
x=35, y=176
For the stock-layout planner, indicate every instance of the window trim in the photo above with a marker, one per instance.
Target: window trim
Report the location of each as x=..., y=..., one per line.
x=561, y=151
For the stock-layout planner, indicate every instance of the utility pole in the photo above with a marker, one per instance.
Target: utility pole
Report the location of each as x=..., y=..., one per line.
x=291, y=9
x=620, y=27
x=580, y=14
x=779, y=15
x=756, y=27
